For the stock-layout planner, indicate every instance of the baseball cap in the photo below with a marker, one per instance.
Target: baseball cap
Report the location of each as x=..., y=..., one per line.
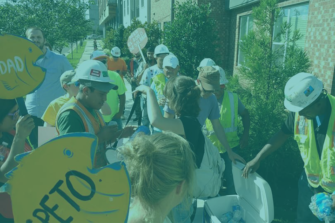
x=223, y=79
x=116, y=52
x=206, y=62
x=67, y=76
x=161, y=49
x=98, y=55
x=93, y=73
x=209, y=78
x=170, y=61
x=301, y=90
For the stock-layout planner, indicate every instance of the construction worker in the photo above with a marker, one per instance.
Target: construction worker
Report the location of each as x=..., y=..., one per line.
x=311, y=123
x=230, y=108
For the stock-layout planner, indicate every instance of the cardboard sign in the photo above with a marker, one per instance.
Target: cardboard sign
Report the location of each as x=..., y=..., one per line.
x=57, y=183
x=137, y=38
x=19, y=74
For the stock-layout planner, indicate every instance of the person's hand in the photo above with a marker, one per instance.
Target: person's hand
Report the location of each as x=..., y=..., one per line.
x=118, y=115
x=234, y=156
x=142, y=88
x=128, y=131
x=108, y=133
x=146, y=65
x=24, y=126
x=251, y=167
x=161, y=101
x=244, y=140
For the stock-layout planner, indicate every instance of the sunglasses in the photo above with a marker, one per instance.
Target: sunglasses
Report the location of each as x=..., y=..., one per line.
x=15, y=114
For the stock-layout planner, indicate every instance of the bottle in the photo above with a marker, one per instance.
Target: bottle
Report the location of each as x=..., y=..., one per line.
x=226, y=217
x=237, y=212
x=142, y=129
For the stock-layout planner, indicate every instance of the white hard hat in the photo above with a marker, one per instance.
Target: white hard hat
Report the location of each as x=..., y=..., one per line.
x=301, y=90
x=170, y=61
x=206, y=62
x=161, y=49
x=223, y=79
x=98, y=54
x=93, y=73
x=116, y=52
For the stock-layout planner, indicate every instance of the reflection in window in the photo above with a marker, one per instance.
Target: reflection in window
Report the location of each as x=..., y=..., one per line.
x=297, y=17
x=246, y=23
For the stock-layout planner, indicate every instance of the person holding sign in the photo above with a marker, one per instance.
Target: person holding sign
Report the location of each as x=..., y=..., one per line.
x=81, y=113
x=147, y=159
x=14, y=131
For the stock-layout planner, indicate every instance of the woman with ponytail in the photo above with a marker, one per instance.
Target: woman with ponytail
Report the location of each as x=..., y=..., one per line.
x=183, y=96
x=161, y=169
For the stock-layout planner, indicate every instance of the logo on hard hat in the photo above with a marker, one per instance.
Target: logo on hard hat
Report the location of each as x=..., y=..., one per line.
x=95, y=73
x=308, y=91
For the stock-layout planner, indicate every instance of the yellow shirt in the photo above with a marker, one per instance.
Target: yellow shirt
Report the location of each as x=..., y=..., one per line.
x=113, y=95
x=50, y=113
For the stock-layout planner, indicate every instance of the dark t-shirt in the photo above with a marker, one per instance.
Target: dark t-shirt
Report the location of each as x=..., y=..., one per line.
x=320, y=132
x=194, y=137
x=69, y=121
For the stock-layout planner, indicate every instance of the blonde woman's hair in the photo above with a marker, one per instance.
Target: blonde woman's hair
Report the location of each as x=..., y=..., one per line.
x=157, y=164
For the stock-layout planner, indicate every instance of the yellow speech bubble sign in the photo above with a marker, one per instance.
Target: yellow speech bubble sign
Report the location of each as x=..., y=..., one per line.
x=57, y=183
x=19, y=74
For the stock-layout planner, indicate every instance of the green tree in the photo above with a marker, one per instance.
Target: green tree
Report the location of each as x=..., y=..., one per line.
x=264, y=74
x=191, y=36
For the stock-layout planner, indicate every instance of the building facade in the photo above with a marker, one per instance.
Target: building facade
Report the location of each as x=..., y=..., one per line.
x=315, y=19
x=92, y=14
x=139, y=9
x=110, y=14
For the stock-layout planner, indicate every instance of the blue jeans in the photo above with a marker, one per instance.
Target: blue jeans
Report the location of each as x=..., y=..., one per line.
x=304, y=214
x=228, y=173
x=119, y=123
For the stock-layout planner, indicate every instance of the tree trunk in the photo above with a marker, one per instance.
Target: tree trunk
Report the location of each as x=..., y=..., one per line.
x=72, y=49
x=77, y=46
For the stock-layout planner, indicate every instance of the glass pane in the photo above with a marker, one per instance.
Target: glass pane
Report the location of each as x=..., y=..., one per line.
x=298, y=21
x=282, y=18
x=246, y=24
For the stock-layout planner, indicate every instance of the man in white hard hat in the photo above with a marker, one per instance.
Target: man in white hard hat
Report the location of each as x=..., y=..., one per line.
x=116, y=63
x=81, y=113
x=311, y=122
x=116, y=100
x=230, y=108
x=161, y=51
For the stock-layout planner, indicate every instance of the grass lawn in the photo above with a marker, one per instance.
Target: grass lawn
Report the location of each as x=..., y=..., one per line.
x=76, y=55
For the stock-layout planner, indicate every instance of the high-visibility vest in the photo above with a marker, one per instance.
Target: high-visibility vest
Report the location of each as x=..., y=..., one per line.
x=91, y=126
x=228, y=120
x=160, y=83
x=319, y=172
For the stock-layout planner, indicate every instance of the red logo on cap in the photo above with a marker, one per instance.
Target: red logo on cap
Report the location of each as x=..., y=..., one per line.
x=95, y=73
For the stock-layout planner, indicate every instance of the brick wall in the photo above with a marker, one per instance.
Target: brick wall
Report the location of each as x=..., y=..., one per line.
x=320, y=41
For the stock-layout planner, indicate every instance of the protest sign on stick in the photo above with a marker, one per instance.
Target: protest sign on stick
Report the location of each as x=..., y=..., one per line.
x=137, y=41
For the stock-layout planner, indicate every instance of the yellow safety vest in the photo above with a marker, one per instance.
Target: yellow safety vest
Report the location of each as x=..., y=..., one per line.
x=228, y=120
x=160, y=82
x=319, y=172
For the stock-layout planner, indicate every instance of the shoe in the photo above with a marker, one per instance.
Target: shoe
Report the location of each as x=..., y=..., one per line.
x=123, y=118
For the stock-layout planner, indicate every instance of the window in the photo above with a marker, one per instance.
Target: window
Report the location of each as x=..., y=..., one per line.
x=128, y=6
x=297, y=17
x=246, y=23
x=124, y=8
x=159, y=26
x=142, y=3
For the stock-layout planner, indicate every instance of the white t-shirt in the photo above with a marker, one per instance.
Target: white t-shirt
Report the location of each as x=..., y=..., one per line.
x=149, y=73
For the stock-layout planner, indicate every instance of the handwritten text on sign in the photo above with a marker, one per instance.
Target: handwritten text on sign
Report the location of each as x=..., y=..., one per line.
x=137, y=38
x=56, y=183
x=19, y=74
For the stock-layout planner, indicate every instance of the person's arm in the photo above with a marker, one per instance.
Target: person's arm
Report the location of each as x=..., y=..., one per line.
x=221, y=135
x=155, y=116
x=122, y=106
x=168, y=115
x=274, y=143
x=24, y=126
x=246, y=127
x=105, y=109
